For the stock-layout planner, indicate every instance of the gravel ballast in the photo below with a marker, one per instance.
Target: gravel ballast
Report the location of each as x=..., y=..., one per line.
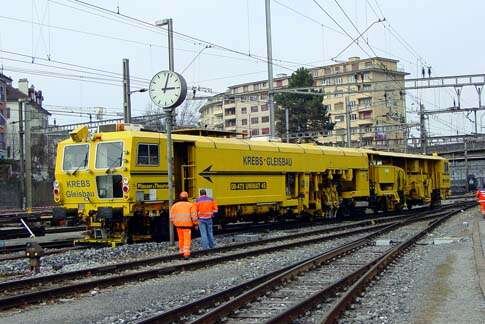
x=432, y=283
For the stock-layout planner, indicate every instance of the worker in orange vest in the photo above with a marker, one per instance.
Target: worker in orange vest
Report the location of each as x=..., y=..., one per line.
x=206, y=207
x=183, y=215
x=481, y=200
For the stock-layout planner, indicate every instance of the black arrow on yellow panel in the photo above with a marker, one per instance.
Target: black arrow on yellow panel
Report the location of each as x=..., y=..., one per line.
x=206, y=173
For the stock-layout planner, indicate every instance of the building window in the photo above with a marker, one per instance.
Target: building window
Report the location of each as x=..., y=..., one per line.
x=230, y=111
x=353, y=117
x=264, y=107
x=254, y=120
x=265, y=119
x=245, y=88
x=315, y=73
x=147, y=154
x=365, y=101
x=255, y=131
x=244, y=110
x=328, y=70
x=338, y=106
x=244, y=122
x=256, y=86
x=264, y=96
x=254, y=109
x=279, y=83
x=230, y=123
x=2, y=93
x=265, y=130
x=339, y=119
x=337, y=69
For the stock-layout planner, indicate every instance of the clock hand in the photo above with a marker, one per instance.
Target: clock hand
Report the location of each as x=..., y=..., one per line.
x=171, y=88
x=165, y=87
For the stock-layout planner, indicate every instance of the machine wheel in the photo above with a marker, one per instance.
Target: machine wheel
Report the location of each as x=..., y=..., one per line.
x=409, y=204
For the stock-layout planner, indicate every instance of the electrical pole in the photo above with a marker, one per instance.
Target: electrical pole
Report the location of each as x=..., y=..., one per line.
x=126, y=92
x=269, y=51
x=168, y=125
x=21, y=148
x=479, y=91
x=28, y=158
x=465, y=152
x=347, y=122
x=422, y=129
x=287, y=124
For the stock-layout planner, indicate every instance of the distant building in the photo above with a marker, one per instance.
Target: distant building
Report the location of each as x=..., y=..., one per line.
x=377, y=115
x=211, y=114
x=4, y=114
x=39, y=117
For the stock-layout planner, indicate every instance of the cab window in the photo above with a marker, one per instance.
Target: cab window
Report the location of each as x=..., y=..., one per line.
x=109, y=155
x=148, y=154
x=75, y=157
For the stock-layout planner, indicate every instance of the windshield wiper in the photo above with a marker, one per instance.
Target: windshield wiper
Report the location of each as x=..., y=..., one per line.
x=108, y=170
x=81, y=165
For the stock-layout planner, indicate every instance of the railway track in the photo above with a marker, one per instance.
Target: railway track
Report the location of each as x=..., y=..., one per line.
x=287, y=294
x=31, y=290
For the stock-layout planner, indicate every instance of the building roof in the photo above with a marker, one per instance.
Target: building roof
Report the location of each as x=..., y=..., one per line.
x=5, y=78
x=14, y=94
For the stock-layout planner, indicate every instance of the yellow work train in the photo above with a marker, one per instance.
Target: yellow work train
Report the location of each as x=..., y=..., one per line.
x=116, y=181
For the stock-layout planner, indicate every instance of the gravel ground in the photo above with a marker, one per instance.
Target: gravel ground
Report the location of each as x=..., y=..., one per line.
x=136, y=300
x=86, y=258
x=430, y=284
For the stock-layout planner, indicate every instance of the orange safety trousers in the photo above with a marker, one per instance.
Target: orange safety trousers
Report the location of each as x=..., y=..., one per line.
x=185, y=240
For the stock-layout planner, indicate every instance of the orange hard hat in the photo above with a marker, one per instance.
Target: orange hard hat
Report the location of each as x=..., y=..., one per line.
x=184, y=194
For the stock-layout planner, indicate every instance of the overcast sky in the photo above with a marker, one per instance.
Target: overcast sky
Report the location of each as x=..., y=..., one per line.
x=444, y=34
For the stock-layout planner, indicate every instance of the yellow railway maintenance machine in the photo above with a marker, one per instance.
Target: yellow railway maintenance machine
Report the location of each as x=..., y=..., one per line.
x=116, y=181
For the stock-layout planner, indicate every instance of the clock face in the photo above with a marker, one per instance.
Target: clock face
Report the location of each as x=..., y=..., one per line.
x=167, y=89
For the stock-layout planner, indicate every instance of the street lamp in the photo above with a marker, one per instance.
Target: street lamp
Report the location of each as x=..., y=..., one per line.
x=139, y=90
x=168, y=123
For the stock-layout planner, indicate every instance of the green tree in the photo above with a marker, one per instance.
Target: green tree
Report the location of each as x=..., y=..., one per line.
x=306, y=112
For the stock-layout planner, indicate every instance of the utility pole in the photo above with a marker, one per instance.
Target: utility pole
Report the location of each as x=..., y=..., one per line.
x=21, y=148
x=479, y=91
x=269, y=51
x=168, y=124
x=465, y=152
x=28, y=158
x=422, y=129
x=126, y=91
x=287, y=124
x=347, y=122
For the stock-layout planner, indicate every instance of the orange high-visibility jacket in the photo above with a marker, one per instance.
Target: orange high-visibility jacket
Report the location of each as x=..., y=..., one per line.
x=481, y=196
x=206, y=207
x=183, y=214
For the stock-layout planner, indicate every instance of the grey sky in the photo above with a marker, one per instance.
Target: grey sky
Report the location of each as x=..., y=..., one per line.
x=444, y=33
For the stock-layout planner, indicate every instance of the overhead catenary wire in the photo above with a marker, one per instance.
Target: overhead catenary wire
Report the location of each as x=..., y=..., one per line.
x=193, y=38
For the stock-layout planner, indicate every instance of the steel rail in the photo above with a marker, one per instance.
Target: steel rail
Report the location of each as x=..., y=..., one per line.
x=357, y=280
x=19, y=299
x=360, y=285
x=171, y=257
x=211, y=301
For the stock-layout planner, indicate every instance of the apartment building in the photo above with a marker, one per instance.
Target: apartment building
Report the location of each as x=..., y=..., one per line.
x=376, y=114
x=243, y=108
x=372, y=90
x=211, y=114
